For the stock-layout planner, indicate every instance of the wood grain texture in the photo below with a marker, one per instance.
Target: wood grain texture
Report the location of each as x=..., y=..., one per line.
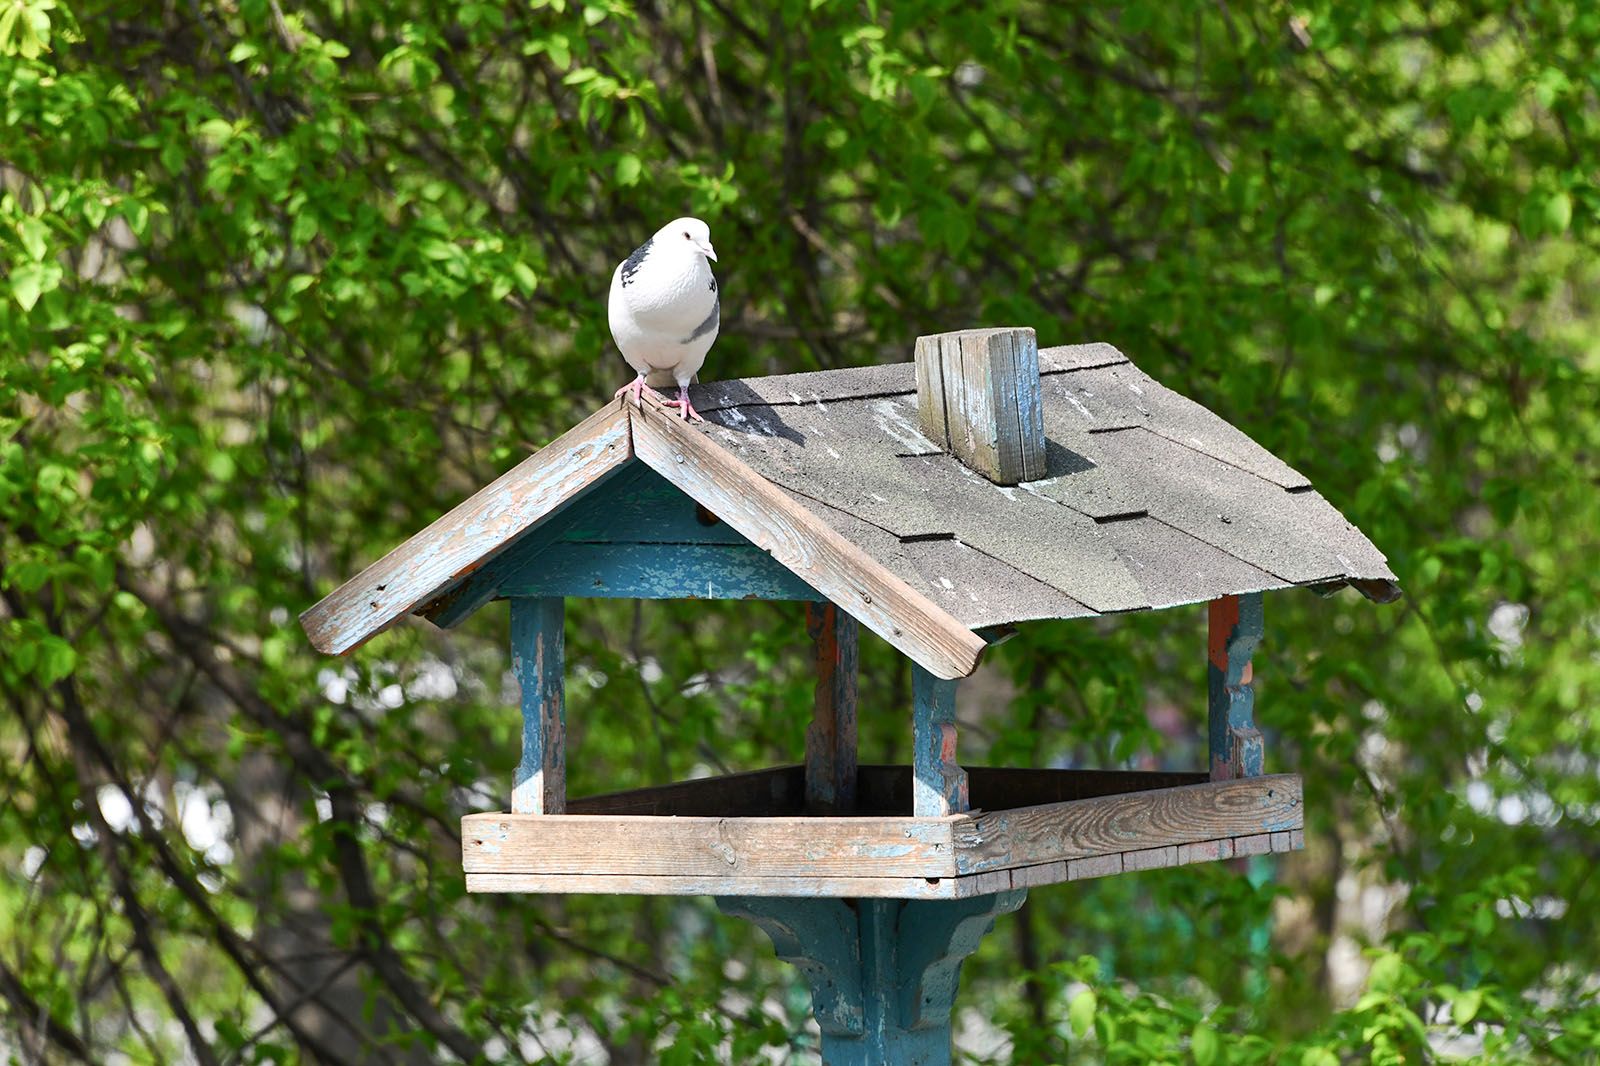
x=471, y=534
x=978, y=395
x=1139, y=821
x=770, y=519
x=538, y=658
x=882, y=856
x=707, y=847
x=831, y=734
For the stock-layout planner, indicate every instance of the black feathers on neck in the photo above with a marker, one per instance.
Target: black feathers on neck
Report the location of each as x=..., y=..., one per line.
x=631, y=265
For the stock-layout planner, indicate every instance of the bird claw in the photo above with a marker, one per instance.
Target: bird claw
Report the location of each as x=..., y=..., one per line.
x=634, y=387
x=686, y=410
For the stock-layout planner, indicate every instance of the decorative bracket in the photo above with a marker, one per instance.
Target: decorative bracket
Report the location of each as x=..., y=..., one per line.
x=883, y=972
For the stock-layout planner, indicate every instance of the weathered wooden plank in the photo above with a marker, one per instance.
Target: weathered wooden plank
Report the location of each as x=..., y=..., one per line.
x=657, y=572
x=1142, y=820
x=538, y=658
x=831, y=735
x=1049, y=873
x=1149, y=859
x=731, y=885
x=938, y=785
x=979, y=396
x=766, y=516
x=1094, y=866
x=704, y=847
x=1235, y=627
x=1205, y=851
x=757, y=793
x=469, y=535
x=487, y=583
x=1255, y=844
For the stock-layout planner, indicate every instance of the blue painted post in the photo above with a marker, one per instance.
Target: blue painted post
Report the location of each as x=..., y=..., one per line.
x=1236, y=627
x=938, y=784
x=831, y=736
x=883, y=972
x=538, y=657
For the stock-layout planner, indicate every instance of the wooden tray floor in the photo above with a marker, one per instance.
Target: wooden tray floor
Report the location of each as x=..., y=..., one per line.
x=747, y=834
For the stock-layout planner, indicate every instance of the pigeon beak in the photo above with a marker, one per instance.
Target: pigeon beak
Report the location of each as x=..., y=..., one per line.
x=705, y=246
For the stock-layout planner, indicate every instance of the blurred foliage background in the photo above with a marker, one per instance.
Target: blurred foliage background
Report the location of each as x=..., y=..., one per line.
x=285, y=280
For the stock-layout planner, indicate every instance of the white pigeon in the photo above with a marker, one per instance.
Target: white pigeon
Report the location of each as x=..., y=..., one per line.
x=665, y=310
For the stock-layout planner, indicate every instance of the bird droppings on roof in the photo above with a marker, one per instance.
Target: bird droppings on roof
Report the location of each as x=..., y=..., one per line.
x=1149, y=499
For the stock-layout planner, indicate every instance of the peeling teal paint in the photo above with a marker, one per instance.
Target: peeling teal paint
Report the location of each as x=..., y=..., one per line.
x=883, y=972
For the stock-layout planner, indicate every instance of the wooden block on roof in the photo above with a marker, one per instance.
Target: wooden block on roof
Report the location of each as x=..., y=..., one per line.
x=978, y=396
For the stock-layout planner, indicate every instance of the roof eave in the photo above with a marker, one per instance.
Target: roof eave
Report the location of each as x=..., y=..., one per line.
x=471, y=534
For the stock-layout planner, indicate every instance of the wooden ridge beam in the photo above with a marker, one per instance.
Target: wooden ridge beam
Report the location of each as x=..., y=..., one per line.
x=767, y=517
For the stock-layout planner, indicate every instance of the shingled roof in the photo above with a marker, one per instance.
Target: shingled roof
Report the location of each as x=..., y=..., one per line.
x=1149, y=501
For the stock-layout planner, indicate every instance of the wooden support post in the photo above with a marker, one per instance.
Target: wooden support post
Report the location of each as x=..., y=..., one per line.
x=883, y=972
x=831, y=736
x=1235, y=632
x=979, y=397
x=538, y=657
x=938, y=784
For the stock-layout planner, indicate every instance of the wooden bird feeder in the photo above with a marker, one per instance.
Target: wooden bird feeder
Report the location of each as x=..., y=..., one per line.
x=938, y=503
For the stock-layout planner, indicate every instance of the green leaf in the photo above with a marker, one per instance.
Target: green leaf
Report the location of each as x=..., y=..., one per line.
x=628, y=170
x=1204, y=1045
x=215, y=131
x=526, y=278
x=1319, y=1056
x=57, y=659
x=1558, y=213
x=1385, y=972
x=35, y=237
x=1465, y=1006
x=27, y=282
x=1080, y=1012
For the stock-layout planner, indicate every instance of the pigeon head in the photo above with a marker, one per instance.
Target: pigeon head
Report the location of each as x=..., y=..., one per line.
x=686, y=232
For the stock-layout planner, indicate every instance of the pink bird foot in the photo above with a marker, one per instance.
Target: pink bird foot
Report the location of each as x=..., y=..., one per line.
x=636, y=387
x=686, y=409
